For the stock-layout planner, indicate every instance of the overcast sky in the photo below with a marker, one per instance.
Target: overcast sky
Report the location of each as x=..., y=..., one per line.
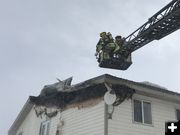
x=41, y=40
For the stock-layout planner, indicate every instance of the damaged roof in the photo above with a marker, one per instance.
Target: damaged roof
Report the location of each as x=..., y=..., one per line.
x=90, y=89
x=94, y=88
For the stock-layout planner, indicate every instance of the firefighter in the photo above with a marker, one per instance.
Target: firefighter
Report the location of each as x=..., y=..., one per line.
x=119, y=41
x=106, y=47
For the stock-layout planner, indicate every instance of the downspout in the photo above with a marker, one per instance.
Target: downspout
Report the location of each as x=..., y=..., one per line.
x=105, y=119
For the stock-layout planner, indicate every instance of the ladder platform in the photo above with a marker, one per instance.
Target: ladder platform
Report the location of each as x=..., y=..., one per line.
x=116, y=63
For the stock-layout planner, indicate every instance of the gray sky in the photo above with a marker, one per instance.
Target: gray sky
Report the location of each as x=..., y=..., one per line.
x=44, y=39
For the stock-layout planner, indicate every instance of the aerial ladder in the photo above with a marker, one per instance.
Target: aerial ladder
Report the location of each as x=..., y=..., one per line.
x=161, y=24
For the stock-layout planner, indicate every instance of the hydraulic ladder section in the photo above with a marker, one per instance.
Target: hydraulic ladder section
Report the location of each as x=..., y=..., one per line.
x=161, y=24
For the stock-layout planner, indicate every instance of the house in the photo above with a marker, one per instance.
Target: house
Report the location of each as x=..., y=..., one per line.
x=139, y=109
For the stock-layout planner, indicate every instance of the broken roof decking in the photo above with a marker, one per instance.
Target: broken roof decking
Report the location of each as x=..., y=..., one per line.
x=90, y=89
x=94, y=88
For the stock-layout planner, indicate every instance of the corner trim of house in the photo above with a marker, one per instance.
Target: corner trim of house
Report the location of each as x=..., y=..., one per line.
x=105, y=119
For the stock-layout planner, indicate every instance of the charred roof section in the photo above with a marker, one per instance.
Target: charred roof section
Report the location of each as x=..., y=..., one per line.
x=95, y=88
x=90, y=89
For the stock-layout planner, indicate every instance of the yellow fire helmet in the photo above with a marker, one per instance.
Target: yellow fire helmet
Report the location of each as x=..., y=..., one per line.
x=102, y=34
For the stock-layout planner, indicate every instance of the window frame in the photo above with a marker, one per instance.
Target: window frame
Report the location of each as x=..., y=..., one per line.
x=47, y=128
x=176, y=113
x=142, y=110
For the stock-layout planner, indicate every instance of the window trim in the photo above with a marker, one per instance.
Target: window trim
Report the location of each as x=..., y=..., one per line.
x=142, y=123
x=176, y=108
x=44, y=123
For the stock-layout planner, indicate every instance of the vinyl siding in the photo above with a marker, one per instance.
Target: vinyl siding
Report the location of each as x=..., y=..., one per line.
x=30, y=125
x=122, y=120
x=84, y=121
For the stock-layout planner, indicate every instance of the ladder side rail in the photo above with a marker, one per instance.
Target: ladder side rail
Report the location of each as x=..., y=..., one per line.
x=155, y=18
x=164, y=14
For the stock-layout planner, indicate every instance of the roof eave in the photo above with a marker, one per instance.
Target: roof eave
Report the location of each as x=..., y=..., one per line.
x=146, y=90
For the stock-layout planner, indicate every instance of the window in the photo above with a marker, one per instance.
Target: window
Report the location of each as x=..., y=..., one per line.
x=178, y=114
x=44, y=129
x=142, y=112
x=137, y=111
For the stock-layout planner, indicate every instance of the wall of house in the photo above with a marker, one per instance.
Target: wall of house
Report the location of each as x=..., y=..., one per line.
x=30, y=125
x=122, y=119
x=83, y=121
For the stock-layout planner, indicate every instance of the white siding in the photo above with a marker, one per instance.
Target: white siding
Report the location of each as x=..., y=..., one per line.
x=85, y=121
x=122, y=119
x=30, y=125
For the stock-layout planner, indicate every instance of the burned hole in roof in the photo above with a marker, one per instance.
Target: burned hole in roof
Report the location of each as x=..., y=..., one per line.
x=63, y=98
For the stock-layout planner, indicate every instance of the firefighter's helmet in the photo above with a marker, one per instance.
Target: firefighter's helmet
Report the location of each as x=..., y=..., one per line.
x=102, y=34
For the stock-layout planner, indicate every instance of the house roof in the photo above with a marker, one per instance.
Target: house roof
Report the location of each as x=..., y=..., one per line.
x=94, y=88
x=146, y=89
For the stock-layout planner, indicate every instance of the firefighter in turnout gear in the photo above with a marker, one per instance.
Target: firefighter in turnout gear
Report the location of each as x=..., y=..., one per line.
x=120, y=42
x=106, y=47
